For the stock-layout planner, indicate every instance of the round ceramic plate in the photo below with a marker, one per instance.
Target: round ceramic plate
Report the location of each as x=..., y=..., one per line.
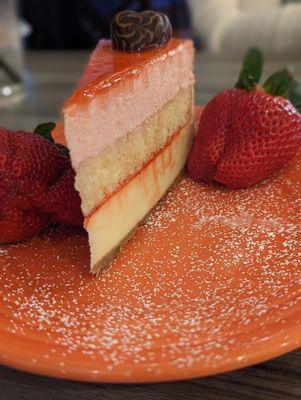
x=210, y=283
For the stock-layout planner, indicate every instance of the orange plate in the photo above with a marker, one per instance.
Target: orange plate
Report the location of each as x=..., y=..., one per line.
x=210, y=283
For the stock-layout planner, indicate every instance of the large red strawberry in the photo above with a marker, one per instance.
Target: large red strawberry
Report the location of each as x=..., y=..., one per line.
x=36, y=185
x=248, y=132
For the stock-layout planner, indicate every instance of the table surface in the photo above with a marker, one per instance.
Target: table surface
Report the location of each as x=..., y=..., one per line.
x=49, y=78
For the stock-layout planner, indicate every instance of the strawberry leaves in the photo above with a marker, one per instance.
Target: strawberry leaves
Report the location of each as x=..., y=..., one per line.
x=45, y=130
x=295, y=95
x=280, y=83
x=251, y=70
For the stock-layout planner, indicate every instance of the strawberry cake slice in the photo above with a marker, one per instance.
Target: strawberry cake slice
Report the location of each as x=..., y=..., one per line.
x=129, y=127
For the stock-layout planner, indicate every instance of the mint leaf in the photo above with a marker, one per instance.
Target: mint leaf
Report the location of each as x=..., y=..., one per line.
x=251, y=69
x=45, y=130
x=279, y=83
x=294, y=95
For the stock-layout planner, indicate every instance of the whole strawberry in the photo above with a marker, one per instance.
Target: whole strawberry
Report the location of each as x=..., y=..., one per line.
x=36, y=185
x=247, y=133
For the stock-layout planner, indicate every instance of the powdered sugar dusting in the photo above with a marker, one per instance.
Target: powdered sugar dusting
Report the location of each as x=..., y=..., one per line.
x=211, y=278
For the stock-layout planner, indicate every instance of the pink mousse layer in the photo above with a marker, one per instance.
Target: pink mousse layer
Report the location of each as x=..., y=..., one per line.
x=119, y=91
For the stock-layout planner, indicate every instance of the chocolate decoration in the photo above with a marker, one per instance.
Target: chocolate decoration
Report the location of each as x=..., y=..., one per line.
x=137, y=31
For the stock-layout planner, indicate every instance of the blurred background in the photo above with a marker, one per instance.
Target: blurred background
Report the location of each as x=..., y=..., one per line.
x=44, y=44
x=218, y=25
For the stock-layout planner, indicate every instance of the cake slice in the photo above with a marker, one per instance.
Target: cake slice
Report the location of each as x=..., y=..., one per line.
x=129, y=127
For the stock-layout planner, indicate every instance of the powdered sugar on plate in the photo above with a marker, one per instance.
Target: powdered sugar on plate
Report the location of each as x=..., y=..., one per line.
x=212, y=278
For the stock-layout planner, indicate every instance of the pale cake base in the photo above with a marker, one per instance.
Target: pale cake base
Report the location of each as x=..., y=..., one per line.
x=118, y=217
x=101, y=175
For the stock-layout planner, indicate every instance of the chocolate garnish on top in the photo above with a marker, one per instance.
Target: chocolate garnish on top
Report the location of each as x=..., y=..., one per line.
x=137, y=31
